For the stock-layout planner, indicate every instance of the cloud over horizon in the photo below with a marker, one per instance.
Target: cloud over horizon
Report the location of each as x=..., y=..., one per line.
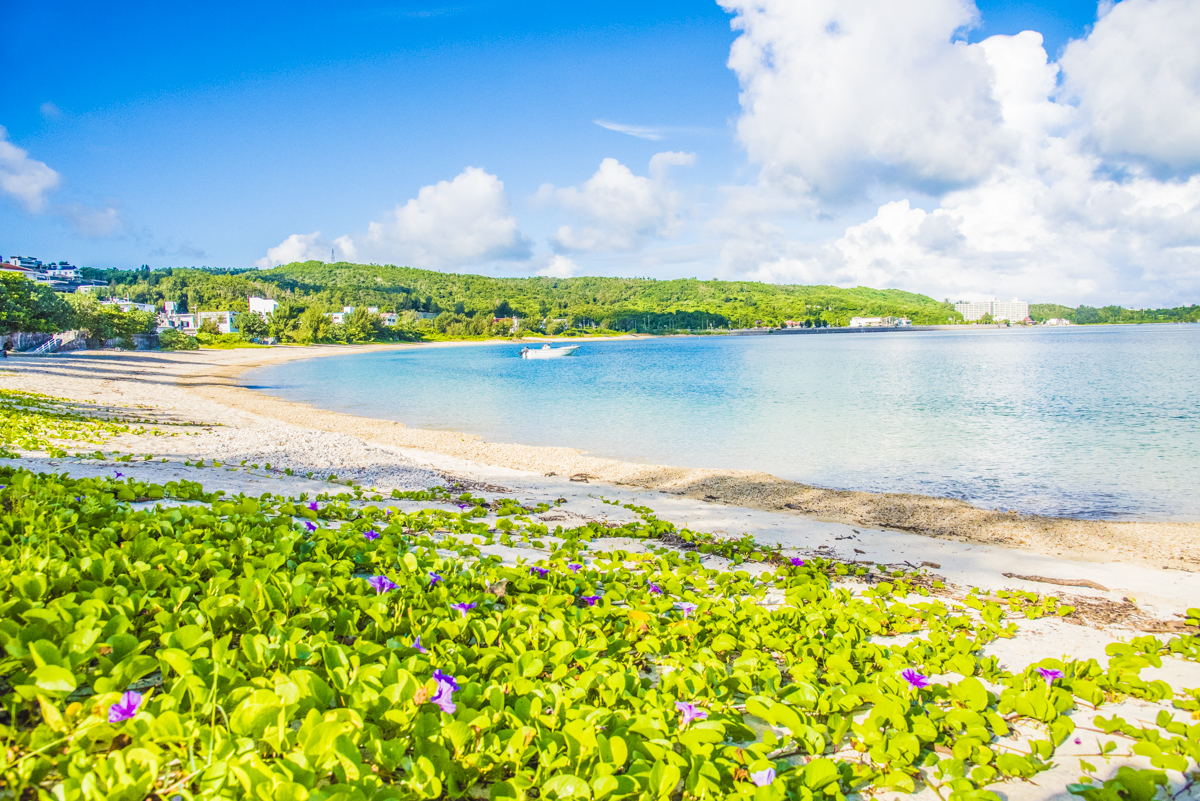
x=619, y=211
x=988, y=176
x=462, y=222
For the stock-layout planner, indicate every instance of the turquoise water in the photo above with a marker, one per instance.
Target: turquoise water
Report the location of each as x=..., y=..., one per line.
x=1097, y=422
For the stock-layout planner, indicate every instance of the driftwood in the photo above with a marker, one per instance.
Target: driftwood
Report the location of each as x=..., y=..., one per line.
x=1060, y=582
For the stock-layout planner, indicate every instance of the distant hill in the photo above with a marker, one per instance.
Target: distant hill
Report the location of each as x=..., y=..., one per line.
x=624, y=304
x=1088, y=315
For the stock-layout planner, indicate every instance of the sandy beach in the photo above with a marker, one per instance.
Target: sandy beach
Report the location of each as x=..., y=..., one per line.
x=204, y=386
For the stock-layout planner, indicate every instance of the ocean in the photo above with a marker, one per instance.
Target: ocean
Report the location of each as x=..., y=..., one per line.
x=1093, y=422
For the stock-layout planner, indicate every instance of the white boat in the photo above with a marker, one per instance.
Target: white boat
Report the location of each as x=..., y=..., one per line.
x=547, y=352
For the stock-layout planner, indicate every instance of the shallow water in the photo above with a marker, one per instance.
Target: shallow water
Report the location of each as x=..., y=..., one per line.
x=1096, y=422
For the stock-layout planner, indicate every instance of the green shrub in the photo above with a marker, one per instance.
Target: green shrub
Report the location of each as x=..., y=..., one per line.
x=171, y=339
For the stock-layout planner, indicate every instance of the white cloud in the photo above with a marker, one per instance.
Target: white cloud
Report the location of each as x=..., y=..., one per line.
x=50, y=111
x=1136, y=78
x=837, y=94
x=25, y=179
x=306, y=247
x=560, y=266
x=988, y=179
x=456, y=223
x=450, y=224
x=640, y=132
x=620, y=211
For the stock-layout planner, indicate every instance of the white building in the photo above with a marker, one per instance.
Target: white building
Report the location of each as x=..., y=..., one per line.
x=126, y=305
x=1014, y=311
x=263, y=306
x=224, y=319
x=24, y=262
x=866, y=322
x=1058, y=321
x=180, y=322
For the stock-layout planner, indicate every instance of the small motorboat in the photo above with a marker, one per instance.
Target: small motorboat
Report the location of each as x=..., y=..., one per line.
x=547, y=352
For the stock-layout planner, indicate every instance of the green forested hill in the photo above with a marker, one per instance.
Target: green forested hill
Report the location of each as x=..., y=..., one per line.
x=1088, y=315
x=617, y=303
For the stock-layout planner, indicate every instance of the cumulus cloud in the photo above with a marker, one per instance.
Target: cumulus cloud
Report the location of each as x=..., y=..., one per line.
x=990, y=178
x=620, y=211
x=306, y=247
x=837, y=94
x=27, y=180
x=1136, y=79
x=560, y=266
x=456, y=223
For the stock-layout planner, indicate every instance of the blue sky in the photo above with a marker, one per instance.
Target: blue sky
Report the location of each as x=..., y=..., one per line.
x=188, y=135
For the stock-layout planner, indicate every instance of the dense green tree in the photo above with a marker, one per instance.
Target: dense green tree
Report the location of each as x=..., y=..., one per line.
x=31, y=307
x=101, y=322
x=251, y=325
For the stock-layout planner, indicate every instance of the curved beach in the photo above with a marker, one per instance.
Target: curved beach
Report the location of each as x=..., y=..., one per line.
x=204, y=386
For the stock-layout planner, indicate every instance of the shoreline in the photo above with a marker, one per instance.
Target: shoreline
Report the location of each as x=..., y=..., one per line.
x=211, y=380
x=944, y=518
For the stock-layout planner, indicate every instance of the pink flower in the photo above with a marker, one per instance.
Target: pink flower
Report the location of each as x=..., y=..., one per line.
x=689, y=712
x=915, y=679
x=126, y=708
x=1050, y=674
x=444, y=695
x=763, y=777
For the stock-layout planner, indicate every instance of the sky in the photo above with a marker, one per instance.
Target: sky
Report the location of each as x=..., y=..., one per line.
x=1042, y=150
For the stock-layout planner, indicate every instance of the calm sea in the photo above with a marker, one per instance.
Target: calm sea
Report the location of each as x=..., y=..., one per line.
x=1097, y=422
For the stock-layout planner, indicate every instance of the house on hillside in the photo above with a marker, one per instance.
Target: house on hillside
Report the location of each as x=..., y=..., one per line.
x=224, y=320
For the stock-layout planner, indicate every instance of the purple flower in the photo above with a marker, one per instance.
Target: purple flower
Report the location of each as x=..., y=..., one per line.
x=126, y=708
x=1049, y=674
x=462, y=609
x=914, y=679
x=434, y=578
x=314, y=506
x=310, y=525
x=118, y=474
x=573, y=567
x=686, y=608
x=1078, y=741
x=657, y=590
x=371, y=535
x=443, y=696
x=540, y=571
x=796, y=562
x=417, y=645
x=463, y=505
x=381, y=584
x=689, y=712
x=590, y=600
x=763, y=777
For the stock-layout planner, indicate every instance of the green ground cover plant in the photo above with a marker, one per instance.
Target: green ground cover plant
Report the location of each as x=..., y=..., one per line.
x=30, y=421
x=164, y=641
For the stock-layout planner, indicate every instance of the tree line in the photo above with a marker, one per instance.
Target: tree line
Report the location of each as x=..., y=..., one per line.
x=617, y=304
